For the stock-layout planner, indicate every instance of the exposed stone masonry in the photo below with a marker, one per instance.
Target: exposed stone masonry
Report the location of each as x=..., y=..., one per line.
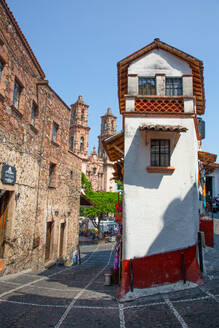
x=26, y=144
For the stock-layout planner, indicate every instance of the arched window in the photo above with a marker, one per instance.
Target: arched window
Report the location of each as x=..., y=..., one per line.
x=111, y=126
x=82, y=114
x=105, y=126
x=82, y=144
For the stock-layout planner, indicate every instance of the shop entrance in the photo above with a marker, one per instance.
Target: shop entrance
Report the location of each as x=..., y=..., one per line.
x=4, y=202
x=61, y=244
x=49, y=229
x=209, y=185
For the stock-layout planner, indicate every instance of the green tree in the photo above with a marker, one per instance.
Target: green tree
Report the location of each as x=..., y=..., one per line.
x=104, y=203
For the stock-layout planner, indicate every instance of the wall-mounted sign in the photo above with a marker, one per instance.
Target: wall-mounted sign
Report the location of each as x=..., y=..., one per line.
x=8, y=174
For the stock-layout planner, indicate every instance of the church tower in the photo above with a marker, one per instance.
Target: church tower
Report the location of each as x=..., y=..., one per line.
x=79, y=130
x=108, y=128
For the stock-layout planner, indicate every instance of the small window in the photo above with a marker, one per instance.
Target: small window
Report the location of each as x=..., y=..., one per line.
x=52, y=169
x=17, y=94
x=82, y=115
x=71, y=143
x=34, y=114
x=112, y=126
x=160, y=152
x=147, y=86
x=94, y=170
x=1, y=69
x=55, y=128
x=82, y=144
x=105, y=126
x=173, y=86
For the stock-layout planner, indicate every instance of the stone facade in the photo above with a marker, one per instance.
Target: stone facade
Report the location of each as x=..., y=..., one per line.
x=39, y=213
x=97, y=167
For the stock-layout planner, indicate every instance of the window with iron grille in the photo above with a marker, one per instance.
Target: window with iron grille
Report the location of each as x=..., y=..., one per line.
x=1, y=69
x=146, y=86
x=34, y=114
x=173, y=86
x=160, y=152
x=55, y=128
x=17, y=94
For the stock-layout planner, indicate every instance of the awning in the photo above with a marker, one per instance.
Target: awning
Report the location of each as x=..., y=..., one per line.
x=163, y=128
x=208, y=161
x=206, y=157
x=85, y=202
x=114, y=146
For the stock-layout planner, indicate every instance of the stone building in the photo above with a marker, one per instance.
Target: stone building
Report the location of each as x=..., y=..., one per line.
x=97, y=167
x=40, y=177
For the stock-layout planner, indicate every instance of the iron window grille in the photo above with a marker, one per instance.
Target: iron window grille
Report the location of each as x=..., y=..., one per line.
x=55, y=128
x=17, y=94
x=146, y=86
x=160, y=152
x=173, y=86
x=34, y=114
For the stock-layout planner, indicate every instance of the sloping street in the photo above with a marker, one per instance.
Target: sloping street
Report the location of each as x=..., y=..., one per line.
x=77, y=297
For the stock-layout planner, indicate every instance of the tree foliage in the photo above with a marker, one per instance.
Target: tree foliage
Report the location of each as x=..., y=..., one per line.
x=104, y=202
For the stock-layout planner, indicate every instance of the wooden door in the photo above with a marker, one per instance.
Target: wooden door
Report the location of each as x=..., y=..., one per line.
x=48, y=240
x=3, y=219
x=61, y=245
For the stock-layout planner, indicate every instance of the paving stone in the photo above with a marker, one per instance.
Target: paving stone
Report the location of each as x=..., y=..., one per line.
x=95, y=318
x=20, y=316
x=150, y=317
x=199, y=314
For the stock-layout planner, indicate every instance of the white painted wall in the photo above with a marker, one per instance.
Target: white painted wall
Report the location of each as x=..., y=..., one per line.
x=159, y=62
x=160, y=210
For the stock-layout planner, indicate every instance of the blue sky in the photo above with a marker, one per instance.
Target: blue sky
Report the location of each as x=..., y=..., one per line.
x=79, y=42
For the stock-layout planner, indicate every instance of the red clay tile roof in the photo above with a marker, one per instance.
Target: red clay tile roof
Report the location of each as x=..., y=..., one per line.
x=23, y=39
x=165, y=128
x=195, y=64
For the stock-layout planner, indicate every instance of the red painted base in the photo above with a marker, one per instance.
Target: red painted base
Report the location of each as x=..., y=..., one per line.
x=207, y=226
x=162, y=268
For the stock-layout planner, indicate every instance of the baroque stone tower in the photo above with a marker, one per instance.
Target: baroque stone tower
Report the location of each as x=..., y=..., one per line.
x=79, y=130
x=108, y=128
x=97, y=166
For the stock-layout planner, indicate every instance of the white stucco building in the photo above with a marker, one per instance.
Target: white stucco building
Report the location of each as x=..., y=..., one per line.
x=161, y=92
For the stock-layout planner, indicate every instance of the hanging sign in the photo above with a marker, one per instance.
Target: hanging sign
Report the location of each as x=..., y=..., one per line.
x=8, y=174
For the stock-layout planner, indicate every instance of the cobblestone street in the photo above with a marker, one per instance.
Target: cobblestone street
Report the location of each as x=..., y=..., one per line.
x=77, y=297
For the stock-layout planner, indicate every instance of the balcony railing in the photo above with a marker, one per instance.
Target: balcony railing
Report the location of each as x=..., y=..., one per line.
x=158, y=104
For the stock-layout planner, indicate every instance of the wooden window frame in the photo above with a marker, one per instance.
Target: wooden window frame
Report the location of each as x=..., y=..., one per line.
x=173, y=89
x=160, y=153
x=149, y=92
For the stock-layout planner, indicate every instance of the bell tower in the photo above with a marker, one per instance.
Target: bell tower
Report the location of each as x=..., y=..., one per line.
x=108, y=128
x=79, y=130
